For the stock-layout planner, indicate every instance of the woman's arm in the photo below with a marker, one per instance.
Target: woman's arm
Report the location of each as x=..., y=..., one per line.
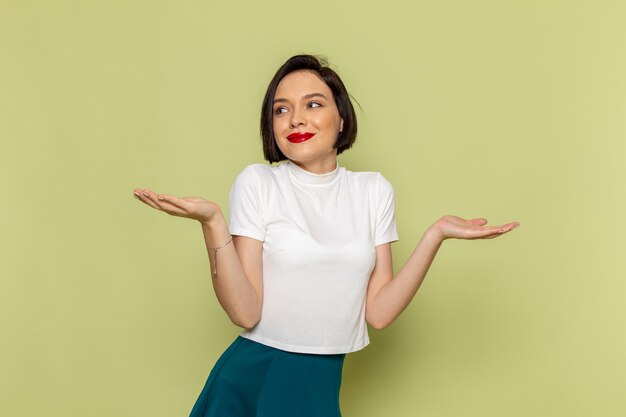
x=238, y=283
x=387, y=296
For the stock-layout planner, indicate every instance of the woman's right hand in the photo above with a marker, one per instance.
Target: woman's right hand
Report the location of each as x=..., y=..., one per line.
x=196, y=208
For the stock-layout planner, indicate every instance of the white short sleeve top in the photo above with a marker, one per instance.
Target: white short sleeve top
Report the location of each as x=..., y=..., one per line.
x=319, y=233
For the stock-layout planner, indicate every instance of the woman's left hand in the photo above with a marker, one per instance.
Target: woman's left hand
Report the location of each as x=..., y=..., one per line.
x=455, y=227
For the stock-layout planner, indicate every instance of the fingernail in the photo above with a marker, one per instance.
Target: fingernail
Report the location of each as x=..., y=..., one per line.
x=160, y=197
x=146, y=194
x=136, y=193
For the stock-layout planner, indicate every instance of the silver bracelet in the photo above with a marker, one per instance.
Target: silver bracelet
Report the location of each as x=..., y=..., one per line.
x=215, y=255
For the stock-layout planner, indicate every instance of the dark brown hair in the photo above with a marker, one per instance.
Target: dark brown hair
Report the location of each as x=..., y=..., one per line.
x=342, y=99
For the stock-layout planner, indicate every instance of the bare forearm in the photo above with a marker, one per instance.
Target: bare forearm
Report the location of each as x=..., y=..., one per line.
x=396, y=295
x=233, y=289
x=393, y=297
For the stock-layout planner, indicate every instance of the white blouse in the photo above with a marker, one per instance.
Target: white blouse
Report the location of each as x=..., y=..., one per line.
x=319, y=233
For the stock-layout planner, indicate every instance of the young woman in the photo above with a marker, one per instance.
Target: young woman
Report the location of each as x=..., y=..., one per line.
x=305, y=260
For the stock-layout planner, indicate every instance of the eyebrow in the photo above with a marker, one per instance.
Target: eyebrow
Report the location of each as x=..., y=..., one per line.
x=306, y=96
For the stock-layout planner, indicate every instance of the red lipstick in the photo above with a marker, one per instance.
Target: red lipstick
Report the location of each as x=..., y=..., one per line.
x=300, y=137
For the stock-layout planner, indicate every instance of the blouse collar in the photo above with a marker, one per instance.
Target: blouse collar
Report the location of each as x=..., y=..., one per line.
x=308, y=177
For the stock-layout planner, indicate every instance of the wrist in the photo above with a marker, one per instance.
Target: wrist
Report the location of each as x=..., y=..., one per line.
x=215, y=221
x=215, y=232
x=435, y=234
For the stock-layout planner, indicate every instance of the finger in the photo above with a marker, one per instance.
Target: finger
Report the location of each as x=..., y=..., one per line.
x=488, y=231
x=172, y=209
x=170, y=204
x=479, y=221
x=173, y=201
x=508, y=227
x=499, y=230
x=149, y=198
x=515, y=225
x=139, y=195
x=511, y=226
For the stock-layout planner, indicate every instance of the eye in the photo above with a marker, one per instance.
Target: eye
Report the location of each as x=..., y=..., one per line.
x=280, y=110
x=315, y=104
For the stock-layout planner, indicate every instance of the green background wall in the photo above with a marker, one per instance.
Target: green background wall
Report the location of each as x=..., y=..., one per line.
x=509, y=110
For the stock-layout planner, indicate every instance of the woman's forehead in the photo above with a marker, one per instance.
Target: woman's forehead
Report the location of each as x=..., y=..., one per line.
x=300, y=83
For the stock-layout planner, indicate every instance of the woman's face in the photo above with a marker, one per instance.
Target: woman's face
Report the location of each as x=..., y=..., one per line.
x=306, y=121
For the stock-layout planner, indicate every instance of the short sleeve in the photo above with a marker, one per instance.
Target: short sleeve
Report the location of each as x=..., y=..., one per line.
x=245, y=209
x=385, y=231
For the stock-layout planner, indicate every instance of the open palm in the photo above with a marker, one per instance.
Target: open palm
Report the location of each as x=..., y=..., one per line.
x=196, y=208
x=455, y=227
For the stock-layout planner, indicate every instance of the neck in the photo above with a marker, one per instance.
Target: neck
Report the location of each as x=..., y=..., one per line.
x=318, y=167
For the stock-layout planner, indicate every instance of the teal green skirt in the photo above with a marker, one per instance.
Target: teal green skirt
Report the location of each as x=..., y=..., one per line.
x=251, y=379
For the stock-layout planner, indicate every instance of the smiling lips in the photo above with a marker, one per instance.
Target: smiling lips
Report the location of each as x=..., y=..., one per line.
x=299, y=137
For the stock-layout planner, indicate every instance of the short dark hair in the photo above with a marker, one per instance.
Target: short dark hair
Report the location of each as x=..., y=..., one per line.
x=320, y=66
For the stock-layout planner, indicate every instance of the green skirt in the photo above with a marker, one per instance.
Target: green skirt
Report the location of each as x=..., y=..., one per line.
x=251, y=379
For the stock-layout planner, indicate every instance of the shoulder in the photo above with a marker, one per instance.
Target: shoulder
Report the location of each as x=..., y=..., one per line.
x=259, y=178
x=374, y=181
x=254, y=170
x=254, y=174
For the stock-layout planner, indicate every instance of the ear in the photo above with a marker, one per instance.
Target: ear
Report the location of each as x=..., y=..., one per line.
x=341, y=126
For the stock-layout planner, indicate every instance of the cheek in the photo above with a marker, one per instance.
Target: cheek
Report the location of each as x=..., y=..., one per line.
x=278, y=126
x=331, y=119
x=283, y=148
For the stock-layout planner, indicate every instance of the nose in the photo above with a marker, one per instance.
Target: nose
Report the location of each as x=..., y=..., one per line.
x=297, y=118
